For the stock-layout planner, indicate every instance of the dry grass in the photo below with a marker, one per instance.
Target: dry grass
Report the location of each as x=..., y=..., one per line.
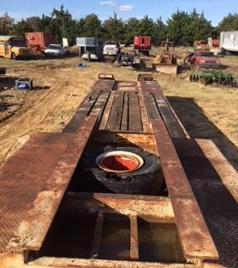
x=207, y=112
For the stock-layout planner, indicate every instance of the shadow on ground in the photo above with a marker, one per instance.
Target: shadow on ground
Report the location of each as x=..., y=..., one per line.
x=218, y=206
x=198, y=126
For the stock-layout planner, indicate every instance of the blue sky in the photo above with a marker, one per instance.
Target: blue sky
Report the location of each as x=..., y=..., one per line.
x=214, y=10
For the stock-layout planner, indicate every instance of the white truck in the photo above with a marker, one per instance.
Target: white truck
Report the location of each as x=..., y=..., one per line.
x=111, y=48
x=55, y=50
x=229, y=41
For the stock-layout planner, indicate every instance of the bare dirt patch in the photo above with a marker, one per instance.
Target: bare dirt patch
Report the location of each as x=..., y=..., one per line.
x=60, y=86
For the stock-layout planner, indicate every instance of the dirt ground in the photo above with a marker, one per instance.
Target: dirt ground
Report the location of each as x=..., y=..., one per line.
x=60, y=85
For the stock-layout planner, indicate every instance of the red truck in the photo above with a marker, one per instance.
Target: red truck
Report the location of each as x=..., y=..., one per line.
x=142, y=44
x=38, y=40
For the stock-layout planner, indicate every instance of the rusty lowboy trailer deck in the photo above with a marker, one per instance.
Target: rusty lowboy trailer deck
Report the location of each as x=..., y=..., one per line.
x=50, y=219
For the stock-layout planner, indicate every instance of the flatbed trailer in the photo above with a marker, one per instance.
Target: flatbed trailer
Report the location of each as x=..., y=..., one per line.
x=48, y=219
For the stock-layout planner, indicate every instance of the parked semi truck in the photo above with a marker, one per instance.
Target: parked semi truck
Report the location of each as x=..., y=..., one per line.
x=38, y=40
x=13, y=47
x=229, y=41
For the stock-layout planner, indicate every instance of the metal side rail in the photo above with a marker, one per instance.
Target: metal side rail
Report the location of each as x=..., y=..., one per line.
x=33, y=182
x=194, y=235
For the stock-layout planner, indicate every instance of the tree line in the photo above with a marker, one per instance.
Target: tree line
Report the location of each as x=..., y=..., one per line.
x=182, y=27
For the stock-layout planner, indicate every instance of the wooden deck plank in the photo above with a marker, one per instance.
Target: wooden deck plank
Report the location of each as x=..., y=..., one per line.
x=115, y=117
x=172, y=124
x=97, y=235
x=144, y=115
x=135, y=123
x=195, y=238
x=134, y=243
x=125, y=114
x=151, y=106
x=107, y=111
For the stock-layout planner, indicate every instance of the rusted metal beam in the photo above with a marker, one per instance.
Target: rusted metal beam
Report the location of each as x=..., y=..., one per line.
x=134, y=244
x=104, y=84
x=227, y=174
x=151, y=86
x=83, y=110
x=97, y=235
x=95, y=263
x=194, y=235
x=157, y=209
x=33, y=229
x=23, y=179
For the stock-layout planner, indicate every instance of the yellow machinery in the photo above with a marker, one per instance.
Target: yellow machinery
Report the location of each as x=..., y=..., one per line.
x=166, y=62
x=13, y=47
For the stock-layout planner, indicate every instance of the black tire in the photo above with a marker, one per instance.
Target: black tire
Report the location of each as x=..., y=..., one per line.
x=186, y=60
x=13, y=56
x=146, y=180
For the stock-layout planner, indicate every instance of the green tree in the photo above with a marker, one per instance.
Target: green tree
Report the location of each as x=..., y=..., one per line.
x=147, y=26
x=6, y=24
x=92, y=26
x=229, y=23
x=200, y=27
x=114, y=29
x=160, y=30
x=62, y=25
x=184, y=28
x=132, y=27
x=176, y=27
x=32, y=24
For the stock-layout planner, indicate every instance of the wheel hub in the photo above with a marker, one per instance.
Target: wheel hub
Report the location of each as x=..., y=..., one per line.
x=119, y=161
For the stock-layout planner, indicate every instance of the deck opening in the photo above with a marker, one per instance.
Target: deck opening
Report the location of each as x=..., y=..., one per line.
x=70, y=235
x=158, y=242
x=115, y=242
x=90, y=232
x=123, y=169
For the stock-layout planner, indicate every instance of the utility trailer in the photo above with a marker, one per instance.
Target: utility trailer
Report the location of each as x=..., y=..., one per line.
x=52, y=215
x=229, y=41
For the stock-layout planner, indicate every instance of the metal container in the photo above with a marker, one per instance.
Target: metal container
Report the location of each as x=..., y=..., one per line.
x=229, y=41
x=23, y=84
x=38, y=39
x=86, y=41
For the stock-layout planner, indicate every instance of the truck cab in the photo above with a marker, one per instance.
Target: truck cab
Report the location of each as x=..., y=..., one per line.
x=13, y=47
x=111, y=48
x=142, y=44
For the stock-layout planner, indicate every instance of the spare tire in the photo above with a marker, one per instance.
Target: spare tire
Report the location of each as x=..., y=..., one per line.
x=125, y=170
